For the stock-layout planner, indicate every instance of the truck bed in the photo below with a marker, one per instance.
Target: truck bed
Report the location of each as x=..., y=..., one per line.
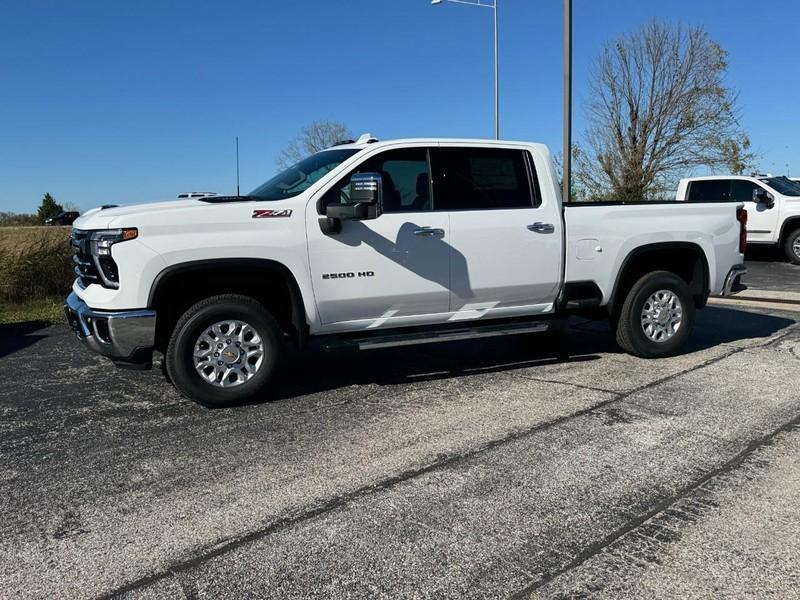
x=600, y=237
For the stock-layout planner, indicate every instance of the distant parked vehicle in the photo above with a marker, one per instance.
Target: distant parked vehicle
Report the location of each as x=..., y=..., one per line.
x=192, y=195
x=66, y=217
x=772, y=203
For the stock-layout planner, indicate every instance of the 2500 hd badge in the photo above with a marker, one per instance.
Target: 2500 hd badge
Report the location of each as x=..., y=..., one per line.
x=349, y=275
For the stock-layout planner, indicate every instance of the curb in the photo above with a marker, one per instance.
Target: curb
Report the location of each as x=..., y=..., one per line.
x=765, y=296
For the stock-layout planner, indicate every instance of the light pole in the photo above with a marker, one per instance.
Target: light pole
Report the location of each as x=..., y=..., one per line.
x=493, y=6
x=567, y=175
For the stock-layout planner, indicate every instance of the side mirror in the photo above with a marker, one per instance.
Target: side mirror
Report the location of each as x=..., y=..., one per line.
x=761, y=196
x=366, y=199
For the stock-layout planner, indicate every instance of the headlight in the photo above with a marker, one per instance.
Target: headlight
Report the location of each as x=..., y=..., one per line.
x=100, y=243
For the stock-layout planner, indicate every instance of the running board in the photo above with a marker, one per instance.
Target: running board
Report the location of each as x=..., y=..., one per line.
x=436, y=336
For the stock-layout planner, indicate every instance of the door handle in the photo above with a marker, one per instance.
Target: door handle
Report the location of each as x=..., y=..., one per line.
x=540, y=227
x=429, y=232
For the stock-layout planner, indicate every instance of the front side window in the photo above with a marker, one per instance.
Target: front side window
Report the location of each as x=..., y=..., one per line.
x=298, y=178
x=481, y=179
x=710, y=190
x=406, y=180
x=742, y=190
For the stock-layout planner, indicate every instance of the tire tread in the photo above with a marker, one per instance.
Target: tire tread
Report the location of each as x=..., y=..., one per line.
x=625, y=324
x=788, y=250
x=171, y=357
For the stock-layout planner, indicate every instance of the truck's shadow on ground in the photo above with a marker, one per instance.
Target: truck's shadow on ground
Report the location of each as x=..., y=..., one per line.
x=15, y=337
x=758, y=253
x=316, y=372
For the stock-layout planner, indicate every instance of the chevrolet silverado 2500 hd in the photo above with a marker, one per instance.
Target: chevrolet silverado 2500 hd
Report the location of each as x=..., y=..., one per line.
x=372, y=244
x=772, y=203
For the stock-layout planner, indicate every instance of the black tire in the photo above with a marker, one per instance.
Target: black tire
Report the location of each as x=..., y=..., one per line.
x=179, y=359
x=631, y=336
x=791, y=242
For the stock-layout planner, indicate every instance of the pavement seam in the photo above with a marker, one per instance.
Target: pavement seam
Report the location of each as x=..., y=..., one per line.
x=567, y=383
x=666, y=506
x=440, y=462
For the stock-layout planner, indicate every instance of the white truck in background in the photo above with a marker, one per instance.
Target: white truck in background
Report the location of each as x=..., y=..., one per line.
x=772, y=203
x=380, y=243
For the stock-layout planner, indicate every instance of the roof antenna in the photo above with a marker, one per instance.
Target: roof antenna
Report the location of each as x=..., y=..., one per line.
x=237, y=165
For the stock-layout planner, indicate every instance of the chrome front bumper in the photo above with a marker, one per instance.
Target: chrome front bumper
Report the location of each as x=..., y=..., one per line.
x=733, y=283
x=125, y=336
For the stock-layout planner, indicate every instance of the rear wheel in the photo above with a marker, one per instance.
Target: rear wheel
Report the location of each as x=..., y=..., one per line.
x=791, y=246
x=224, y=350
x=657, y=316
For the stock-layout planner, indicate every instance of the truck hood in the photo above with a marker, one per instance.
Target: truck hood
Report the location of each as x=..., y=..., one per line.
x=104, y=218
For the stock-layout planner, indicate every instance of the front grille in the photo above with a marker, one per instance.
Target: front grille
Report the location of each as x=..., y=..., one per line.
x=85, y=268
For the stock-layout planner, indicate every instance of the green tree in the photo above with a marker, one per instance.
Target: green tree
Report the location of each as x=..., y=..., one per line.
x=48, y=208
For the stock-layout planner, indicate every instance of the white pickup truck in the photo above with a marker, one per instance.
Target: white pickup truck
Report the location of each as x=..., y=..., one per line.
x=772, y=203
x=378, y=243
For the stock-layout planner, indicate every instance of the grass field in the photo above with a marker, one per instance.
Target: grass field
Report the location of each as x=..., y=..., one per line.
x=15, y=240
x=44, y=310
x=35, y=273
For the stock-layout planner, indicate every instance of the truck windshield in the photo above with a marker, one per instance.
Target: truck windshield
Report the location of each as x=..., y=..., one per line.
x=298, y=178
x=783, y=185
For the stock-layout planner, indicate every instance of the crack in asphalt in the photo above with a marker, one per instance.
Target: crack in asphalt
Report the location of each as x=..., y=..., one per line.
x=443, y=461
x=568, y=383
x=662, y=507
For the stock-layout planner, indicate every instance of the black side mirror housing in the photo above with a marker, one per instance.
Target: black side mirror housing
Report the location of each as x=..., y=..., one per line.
x=366, y=201
x=761, y=196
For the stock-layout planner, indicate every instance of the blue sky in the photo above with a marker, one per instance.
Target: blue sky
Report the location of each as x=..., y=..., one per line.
x=125, y=102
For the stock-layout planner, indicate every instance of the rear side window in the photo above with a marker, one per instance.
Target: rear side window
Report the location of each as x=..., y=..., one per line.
x=481, y=179
x=711, y=190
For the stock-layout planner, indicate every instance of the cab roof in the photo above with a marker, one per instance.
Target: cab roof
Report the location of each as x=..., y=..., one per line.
x=368, y=140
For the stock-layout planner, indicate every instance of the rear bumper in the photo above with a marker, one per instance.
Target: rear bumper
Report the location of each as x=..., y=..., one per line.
x=127, y=337
x=733, y=281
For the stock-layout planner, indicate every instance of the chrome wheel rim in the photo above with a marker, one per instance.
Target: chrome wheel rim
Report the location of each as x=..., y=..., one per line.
x=662, y=316
x=228, y=353
x=796, y=246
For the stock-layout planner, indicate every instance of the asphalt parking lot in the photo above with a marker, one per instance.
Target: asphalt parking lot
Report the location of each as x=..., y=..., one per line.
x=541, y=466
x=768, y=271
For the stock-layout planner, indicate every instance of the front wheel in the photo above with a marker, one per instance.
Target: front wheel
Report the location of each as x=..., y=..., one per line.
x=224, y=350
x=657, y=316
x=791, y=246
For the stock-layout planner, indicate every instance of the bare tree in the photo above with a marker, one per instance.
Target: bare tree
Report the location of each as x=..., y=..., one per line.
x=313, y=138
x=658, y=109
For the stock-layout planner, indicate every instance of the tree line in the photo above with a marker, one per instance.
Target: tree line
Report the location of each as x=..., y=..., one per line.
x=48, y=208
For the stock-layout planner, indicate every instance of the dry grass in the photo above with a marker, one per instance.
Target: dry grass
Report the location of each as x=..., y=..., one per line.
x=35, y=273
x=38, y=310
x=16, y=240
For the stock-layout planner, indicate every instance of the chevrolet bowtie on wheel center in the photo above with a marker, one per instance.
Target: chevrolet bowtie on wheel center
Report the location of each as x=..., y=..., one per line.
x=373, y=244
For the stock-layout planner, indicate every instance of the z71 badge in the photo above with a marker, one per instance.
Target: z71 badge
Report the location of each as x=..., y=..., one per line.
x=268, y=213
